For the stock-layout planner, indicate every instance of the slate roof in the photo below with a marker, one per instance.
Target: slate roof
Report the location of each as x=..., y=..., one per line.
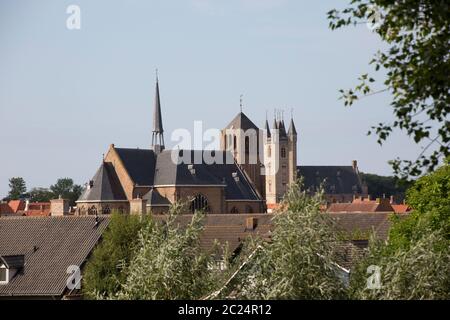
x=140, y=164
x=59, y=242
x=178, y=172
x=241, y=121
x=338, y=179
x=105, y=186
x=154, y=198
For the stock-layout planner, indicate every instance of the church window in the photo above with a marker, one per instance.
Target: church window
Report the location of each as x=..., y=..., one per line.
x=247, y=145
x=121, y=209
x=248, y=209
x=92, y=210
x=199, y=202
x=107, y=210
x=283, y=152
x=234, y=210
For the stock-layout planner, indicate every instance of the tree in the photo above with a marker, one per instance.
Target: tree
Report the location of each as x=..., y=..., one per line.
x=40, y=195
x=103, y=274
x=17, y=188
x=417, y=65
x=299, y=261
x=169, y=263
x=414, y=263
x=381, y=186
x=430, y=199
x=66, y=188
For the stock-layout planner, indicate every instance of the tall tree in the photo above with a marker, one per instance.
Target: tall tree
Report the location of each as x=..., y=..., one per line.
x=40, y=195
x=17, y=188
x=66, y=188
x=417, y=66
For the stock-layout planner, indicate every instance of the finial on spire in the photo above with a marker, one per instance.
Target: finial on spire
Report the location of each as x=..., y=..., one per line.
x=156, y=72
x=292, y=113
x=241, y=101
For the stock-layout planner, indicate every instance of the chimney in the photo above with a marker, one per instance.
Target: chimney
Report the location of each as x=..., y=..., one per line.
x=392, y=200
x=355, y=165
x=251, y=223
x=27, y=204
x=59, y=207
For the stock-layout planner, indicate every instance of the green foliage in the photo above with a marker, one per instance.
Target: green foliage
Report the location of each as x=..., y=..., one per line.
x=40, y=195
x=380, y=186
x=104, y=272
x=417, y=64
x=430, y=199
x=17, y=188
x=299, y=261
x=169, y=263
x=66, y=188
x=415, y=262
x=419, y=272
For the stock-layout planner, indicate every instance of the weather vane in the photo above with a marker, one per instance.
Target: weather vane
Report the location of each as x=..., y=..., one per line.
x=241, y=101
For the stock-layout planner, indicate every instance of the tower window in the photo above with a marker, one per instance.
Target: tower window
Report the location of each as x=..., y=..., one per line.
x=199, y=202
x=283, y=152
x=234, y=143
x=247, y=145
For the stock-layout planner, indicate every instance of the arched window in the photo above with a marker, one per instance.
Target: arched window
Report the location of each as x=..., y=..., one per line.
x=247, y=144
x=92, y=210
x=234, y=210
x=199, y=202
x=283, y=152
x=106, y=210
x=248, y=209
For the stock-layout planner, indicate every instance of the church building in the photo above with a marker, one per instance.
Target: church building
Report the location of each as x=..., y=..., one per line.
x=250, y=173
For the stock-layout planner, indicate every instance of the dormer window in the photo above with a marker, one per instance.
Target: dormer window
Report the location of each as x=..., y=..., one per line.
x=9, y=266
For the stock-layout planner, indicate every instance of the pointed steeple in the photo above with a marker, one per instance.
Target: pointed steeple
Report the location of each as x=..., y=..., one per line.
x=266, y=127
x=292, y=131
x=158, y=131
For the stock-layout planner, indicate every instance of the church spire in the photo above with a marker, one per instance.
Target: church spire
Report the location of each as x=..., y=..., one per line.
x=158, y=131
x=292, y=131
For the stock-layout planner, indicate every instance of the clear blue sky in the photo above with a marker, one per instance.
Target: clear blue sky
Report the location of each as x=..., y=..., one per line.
x=66, y=95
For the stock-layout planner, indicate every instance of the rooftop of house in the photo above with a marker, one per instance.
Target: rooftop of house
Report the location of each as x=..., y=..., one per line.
x=362, y=205
x=49, y=245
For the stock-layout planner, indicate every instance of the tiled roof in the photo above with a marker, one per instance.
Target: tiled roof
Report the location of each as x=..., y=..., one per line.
x=16, y=205
x=359, y=225
x=38, y=209
x=227, y=228
x=401, y=208
x=50, y=245
x=5, y=209
x=338, y=179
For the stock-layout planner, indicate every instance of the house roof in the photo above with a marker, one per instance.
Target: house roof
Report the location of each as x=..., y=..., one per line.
x=17, y=205
x=38, y=209
x=336, y=179
x=104, y=186
x=5, y=209
x=362, y=206
x=49, y=246
x=359, y=225
x=401, y=208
